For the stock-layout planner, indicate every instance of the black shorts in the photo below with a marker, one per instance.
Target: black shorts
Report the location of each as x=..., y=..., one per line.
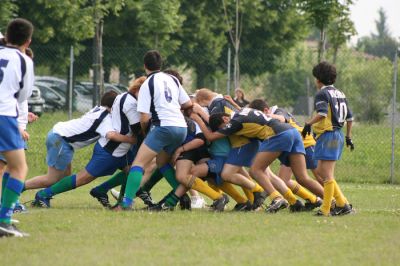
x=194, y=155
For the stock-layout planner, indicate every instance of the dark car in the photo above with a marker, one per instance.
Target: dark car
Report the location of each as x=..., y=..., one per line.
x=36, y=102
x=54, y=100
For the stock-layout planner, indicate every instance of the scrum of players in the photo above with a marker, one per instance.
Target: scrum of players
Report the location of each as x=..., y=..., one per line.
x=204, y=142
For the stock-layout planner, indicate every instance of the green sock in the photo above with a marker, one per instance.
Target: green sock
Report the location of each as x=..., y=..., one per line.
x=154, y=179
x=132, y=185
x=11, y=192
x=4, y=181
x=169, y=172
x=116, y=180
x=65, y=184
x=171, y=199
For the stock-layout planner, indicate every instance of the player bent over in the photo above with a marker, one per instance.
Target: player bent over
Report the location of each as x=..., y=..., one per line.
x=332, y=111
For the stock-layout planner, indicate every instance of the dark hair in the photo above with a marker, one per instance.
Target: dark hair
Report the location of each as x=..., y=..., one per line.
x=108, y=98
x=29, y=52
x=19, y=31
x=175, y=74
x=258, y=104
x=325, y=73
x=152, y=60
x=216, y=120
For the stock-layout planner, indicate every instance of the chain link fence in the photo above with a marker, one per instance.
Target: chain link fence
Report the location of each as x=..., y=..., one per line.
x=368, y=82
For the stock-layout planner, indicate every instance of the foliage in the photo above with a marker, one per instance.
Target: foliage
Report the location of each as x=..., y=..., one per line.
x=8, y=10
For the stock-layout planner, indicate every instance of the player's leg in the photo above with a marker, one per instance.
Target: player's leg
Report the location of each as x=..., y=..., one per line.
x=4, y=175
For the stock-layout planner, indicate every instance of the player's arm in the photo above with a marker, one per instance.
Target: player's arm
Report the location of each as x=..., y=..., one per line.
x=210, y=136
x=144, y=122
x=321, y=108
x=200, y=111
x=115, y=136
x=349, y=126
x=231, y=101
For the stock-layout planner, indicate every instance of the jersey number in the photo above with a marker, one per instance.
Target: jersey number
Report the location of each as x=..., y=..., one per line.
x=3, y=64
x=246, y=111
x=167, y=92
x=342, y=109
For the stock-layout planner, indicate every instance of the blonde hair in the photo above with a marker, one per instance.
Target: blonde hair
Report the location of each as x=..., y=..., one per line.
x=134, y=86
x=204, y=94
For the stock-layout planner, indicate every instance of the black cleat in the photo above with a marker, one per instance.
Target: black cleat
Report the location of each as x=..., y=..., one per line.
x=277, y=204
x=320, y=213
x=185, y=202
x=346, y=209
x=10, y=230
x=41, y=202
x=259, y=198
x=101, y=197
x=160, y=207
x=243, y=207
x=145, y=197
x=297, y=207
x=219, y=204
x=311, y=206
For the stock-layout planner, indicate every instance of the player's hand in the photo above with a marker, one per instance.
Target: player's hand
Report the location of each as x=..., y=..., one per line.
x=32, y=117
x=25, y=135
x=349, y=143
x=306, y=130
x=195, y=116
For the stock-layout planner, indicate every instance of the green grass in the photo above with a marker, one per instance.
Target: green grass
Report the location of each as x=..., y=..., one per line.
x=77, y=231
x=368, y=163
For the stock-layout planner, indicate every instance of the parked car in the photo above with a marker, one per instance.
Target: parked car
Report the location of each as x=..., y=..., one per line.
x=36, y=102
x=54, y=100
x=107, y=87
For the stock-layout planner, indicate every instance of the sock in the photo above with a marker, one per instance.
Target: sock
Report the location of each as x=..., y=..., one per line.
x=154, y=179
x=274, y=195
x=201, y=186
x=249, y=194
x=169, y=172
x=257, y=188
x=6, y=176
x=11, y=193
x=229, y=189
x=290, y=197
x=329, y=188
x=132, y=185
x=66, y=184
x=338, y=195
x=303, y=193
x=171, y=199
x=116, y=180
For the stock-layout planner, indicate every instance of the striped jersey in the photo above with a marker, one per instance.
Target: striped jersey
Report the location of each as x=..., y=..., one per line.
x=161, y=95
x=16, y=80
x=82, y=131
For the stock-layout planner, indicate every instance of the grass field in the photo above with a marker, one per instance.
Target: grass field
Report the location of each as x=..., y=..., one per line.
x=77, y=231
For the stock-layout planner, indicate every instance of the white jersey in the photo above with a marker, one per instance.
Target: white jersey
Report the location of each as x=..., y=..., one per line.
x=124, y=117
x=82, y=131
x=161, y=95
x=16, y=80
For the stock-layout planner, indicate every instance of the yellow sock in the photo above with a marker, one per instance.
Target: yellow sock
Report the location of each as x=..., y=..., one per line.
x=338, y=195
x=257, y=188
x=290, y=197
x=201, y=186
x=274, y=195
x=229, y=189
x=303, y=193
x=249, y=194
x=329, y=188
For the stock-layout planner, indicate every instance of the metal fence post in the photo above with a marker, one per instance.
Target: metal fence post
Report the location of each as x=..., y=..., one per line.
x=228, y=89
x=71, y=87
x=394, y=111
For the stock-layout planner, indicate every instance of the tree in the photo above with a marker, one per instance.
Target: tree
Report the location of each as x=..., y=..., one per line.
x=8, y=10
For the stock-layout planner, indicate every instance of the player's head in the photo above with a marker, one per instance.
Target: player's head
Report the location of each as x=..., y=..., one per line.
x=204, y=96
x=108, y=98
x=175, y=74
x=152, y=61
x=19, y=32
x=218, y=120
x=134, y=87
x=325, y=73
x=259, y=104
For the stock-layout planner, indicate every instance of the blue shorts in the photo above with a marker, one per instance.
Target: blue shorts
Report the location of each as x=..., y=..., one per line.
x=215, y=166
x=244, y=155
x=103, y=163
x=329, y=146
x=3, y=159
x=287, y=142
x=59, y=151
x=165, y=138
x=10, y=137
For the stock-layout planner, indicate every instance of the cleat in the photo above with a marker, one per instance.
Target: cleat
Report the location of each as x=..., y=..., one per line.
x=185, y=202
x=311, y=206
x=119, y=208
x=41, y=202
x=219, y=204
x=160, y=207
x=101, y=197
x=10, y=230
x=320, y=213
x=197, y=202
x=145, y=197
x=20, y=208
x=297, y=207
x=115, y=194
x=346, y=209
x=259, y=198
x=240, y=207
x=276, y=205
